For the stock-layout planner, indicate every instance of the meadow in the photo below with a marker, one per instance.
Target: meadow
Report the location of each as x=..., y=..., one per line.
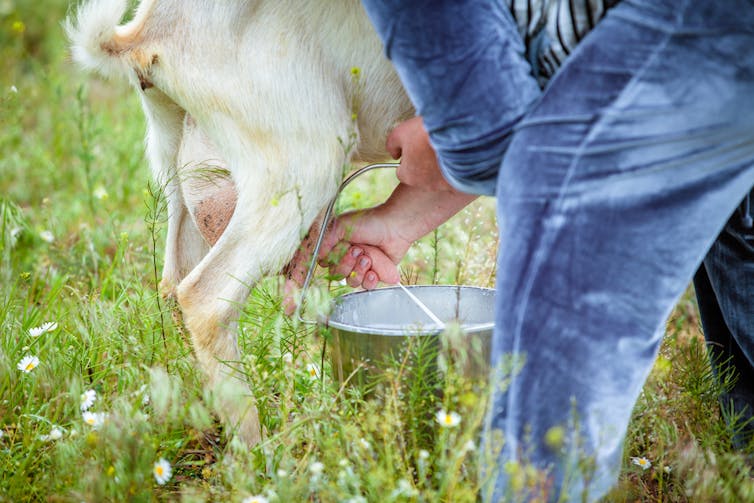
x=100, y=399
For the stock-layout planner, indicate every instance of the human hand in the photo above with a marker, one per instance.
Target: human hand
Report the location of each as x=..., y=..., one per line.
x=419, y=167
x=361, y=247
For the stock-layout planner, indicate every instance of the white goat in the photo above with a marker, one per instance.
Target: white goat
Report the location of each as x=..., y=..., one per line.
x=265, y=90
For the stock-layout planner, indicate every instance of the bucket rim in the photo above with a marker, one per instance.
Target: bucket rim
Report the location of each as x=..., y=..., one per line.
x=431, y=328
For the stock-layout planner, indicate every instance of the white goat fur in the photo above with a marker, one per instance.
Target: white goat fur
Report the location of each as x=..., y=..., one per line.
x=264, y=89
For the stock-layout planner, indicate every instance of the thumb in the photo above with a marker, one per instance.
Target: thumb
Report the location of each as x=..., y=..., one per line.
x=393, y=145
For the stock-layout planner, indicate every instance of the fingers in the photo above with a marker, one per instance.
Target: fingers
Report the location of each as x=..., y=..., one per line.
x=353, y=265
x=361, y=266
x=366, y=266
x=383, y=269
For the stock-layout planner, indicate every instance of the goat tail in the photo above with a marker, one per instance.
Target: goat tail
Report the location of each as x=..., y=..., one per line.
x=99, y=44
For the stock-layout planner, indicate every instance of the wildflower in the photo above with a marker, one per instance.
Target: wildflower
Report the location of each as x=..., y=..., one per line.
x=667, y=469
x=55, y=434
x=312, y=370
x=47, y=236
x=423, y=454
x=448, y=419
x=43, y=329
x=100, y=192
x=28, y=363
x=316, y=468
x=87, y=399
x=255, y=499
x=642, y=462
x=94, y=419
x=14, y=90
x=405, y=489
x=364, y=443
x=18, y=26
x=287, y=358
x=162, y=471
x=469, y=446
x=282, y=473
x=145, y=399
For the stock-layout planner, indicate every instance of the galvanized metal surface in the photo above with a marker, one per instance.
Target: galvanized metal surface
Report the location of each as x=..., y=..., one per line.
x=372, y=326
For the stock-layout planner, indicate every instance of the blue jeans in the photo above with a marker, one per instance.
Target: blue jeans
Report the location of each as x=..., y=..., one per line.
x=613, y=189
x=724, y=287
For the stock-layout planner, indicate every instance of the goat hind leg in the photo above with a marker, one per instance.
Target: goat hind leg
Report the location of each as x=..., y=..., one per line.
x=211, y=297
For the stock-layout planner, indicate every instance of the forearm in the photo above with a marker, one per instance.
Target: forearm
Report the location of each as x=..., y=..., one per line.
x=415, y=212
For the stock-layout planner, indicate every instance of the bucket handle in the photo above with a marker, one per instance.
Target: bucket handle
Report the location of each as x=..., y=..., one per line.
x=323, y=229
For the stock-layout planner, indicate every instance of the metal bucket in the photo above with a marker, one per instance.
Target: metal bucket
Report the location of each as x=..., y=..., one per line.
x=374, y=326
x=371, y=327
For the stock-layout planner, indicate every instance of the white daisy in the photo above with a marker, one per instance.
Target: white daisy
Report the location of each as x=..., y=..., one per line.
x=87, y=399
x=255, y=499
x=312, y=370
x=316, y=468
x=448, y=419
x=47, y=236
x=469, y=446
x=55, y=434
x=94, y=419
x=642, y=462
x=162, y=471
x=43, y=329
x=100, y=192
x=28, y=363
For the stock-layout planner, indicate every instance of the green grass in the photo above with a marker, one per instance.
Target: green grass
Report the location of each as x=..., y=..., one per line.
x=80, y=236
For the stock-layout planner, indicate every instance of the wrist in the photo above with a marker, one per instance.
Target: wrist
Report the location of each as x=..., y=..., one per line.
x=415, y=211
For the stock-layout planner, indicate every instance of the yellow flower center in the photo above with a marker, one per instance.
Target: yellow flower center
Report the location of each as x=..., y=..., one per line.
x=29, y=366
x=159, y=470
